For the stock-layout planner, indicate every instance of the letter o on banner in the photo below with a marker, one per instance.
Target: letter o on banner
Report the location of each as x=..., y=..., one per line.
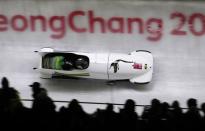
x=19, y=23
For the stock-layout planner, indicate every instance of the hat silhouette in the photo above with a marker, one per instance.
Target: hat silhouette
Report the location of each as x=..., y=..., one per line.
x=35, y=84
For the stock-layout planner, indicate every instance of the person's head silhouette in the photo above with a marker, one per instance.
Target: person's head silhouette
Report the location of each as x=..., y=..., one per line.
x=5, y=82
x=192, y=103
x=36, y=88
x=130, y=105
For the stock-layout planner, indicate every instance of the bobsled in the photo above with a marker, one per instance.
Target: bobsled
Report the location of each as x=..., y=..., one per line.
x=137, y=66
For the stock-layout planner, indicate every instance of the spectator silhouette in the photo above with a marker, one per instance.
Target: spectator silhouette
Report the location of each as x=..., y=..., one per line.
x=165, y=117
x=111, y=122
x=128, y=116
x=9, y=98
x=107, y=119
x=74, y=117
x=43, y=108
x=177, y=116
x=13, y=113
x=192, y=118
x=42, y=102
x=176, y=111
x=165, y=111
x=42, y=116
x=98, y=120
x=153, y=115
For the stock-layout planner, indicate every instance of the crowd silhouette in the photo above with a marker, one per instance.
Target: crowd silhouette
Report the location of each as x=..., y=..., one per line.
x=43, y=116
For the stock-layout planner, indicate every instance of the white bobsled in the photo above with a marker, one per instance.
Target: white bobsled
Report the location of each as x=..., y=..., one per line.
x=137, y=66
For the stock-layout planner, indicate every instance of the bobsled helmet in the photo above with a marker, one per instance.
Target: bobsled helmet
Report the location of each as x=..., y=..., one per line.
x=81, y=63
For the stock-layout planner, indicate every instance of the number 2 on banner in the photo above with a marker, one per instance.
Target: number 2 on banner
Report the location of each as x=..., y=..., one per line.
x=182, y=19
x=193, y=20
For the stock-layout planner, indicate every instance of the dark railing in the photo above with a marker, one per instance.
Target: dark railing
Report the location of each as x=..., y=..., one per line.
x=93, y=103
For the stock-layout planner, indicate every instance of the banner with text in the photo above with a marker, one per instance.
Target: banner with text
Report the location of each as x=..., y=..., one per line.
x=149, y=22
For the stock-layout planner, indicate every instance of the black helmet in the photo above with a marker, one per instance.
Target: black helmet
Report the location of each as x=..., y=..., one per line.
x=81, y=63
